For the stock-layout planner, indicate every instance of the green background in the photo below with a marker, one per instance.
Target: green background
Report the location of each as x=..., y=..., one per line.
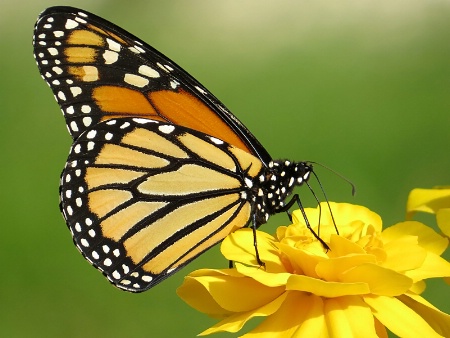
x=360, y=86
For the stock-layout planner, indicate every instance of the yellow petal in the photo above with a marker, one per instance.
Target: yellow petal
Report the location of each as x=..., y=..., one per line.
x=235, y=322
x=341, y=246
x=281, y=231
x=301, y=261
x=252, y=294
x=443, y=221
x=325, y=289
x=331, y=269
x=301, y=315
x=197, y=296
x=262, y=276
x=433, y=266
x=437, y=319
x=381, y=281
x=427, y=200
x=398, y=260
x=349, y=317
x=418, y=287
x=239, y=247
x=399, y=318
x=427, y=238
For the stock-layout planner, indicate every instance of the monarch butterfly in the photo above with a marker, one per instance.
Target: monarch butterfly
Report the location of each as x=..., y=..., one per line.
x=159, y=170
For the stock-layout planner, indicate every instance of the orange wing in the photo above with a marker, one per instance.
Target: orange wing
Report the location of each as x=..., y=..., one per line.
x=98, y=71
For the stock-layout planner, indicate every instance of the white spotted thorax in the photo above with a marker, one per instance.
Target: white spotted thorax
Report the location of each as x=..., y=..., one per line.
x=276, y=184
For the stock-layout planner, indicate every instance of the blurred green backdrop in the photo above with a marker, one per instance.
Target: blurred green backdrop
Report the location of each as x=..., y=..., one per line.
x=360, y=86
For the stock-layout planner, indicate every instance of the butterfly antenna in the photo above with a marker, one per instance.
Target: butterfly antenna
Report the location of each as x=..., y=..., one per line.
x=318, y=203
x=326, y=199
x=337, y=174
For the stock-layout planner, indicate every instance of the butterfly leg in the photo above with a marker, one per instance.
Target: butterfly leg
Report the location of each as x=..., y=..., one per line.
x=255, y=242
x=296, y=199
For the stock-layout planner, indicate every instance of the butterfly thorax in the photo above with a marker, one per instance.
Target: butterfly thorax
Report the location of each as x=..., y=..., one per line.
x=280, y=178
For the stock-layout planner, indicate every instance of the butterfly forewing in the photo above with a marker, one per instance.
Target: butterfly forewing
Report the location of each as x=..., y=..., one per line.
x=143, y=198
x=98, y=71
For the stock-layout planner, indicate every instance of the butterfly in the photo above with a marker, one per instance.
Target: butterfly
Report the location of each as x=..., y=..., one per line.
x=159, y=170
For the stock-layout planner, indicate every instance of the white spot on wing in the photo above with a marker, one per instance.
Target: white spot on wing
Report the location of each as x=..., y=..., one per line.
x=75, y=91
x=53, y=51
x=200, y=90
x=144, y=121
x=147, y=279
x=139, y=49
x=87, y=121
x=61, y=96
x=248, y=182
x=57, y=70
x=216, y=140
x=136, y=80
x=166, y=129
x=148, y=71
x=110, y=57
x=80, y=20
x=90, y=145
x=91, y=134
x=71, y=24
x=113, y=45
x=85, y=109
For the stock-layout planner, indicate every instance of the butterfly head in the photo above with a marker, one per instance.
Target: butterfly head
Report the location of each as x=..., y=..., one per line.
x=276, y=185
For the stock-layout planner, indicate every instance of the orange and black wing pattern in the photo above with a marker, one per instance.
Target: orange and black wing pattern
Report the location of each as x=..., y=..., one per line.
x=98, y=71
x=159, y=170
x=143, y=198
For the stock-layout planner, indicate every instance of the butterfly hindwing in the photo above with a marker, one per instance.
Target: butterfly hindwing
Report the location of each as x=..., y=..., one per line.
x=143, y=198
x=98, y=71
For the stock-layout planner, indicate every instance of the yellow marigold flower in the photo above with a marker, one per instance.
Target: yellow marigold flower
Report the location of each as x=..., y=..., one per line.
x=435, y=201
x=370, y=280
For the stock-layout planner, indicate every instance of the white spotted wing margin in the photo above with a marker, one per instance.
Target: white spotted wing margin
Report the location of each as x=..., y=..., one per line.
x=143, y=198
